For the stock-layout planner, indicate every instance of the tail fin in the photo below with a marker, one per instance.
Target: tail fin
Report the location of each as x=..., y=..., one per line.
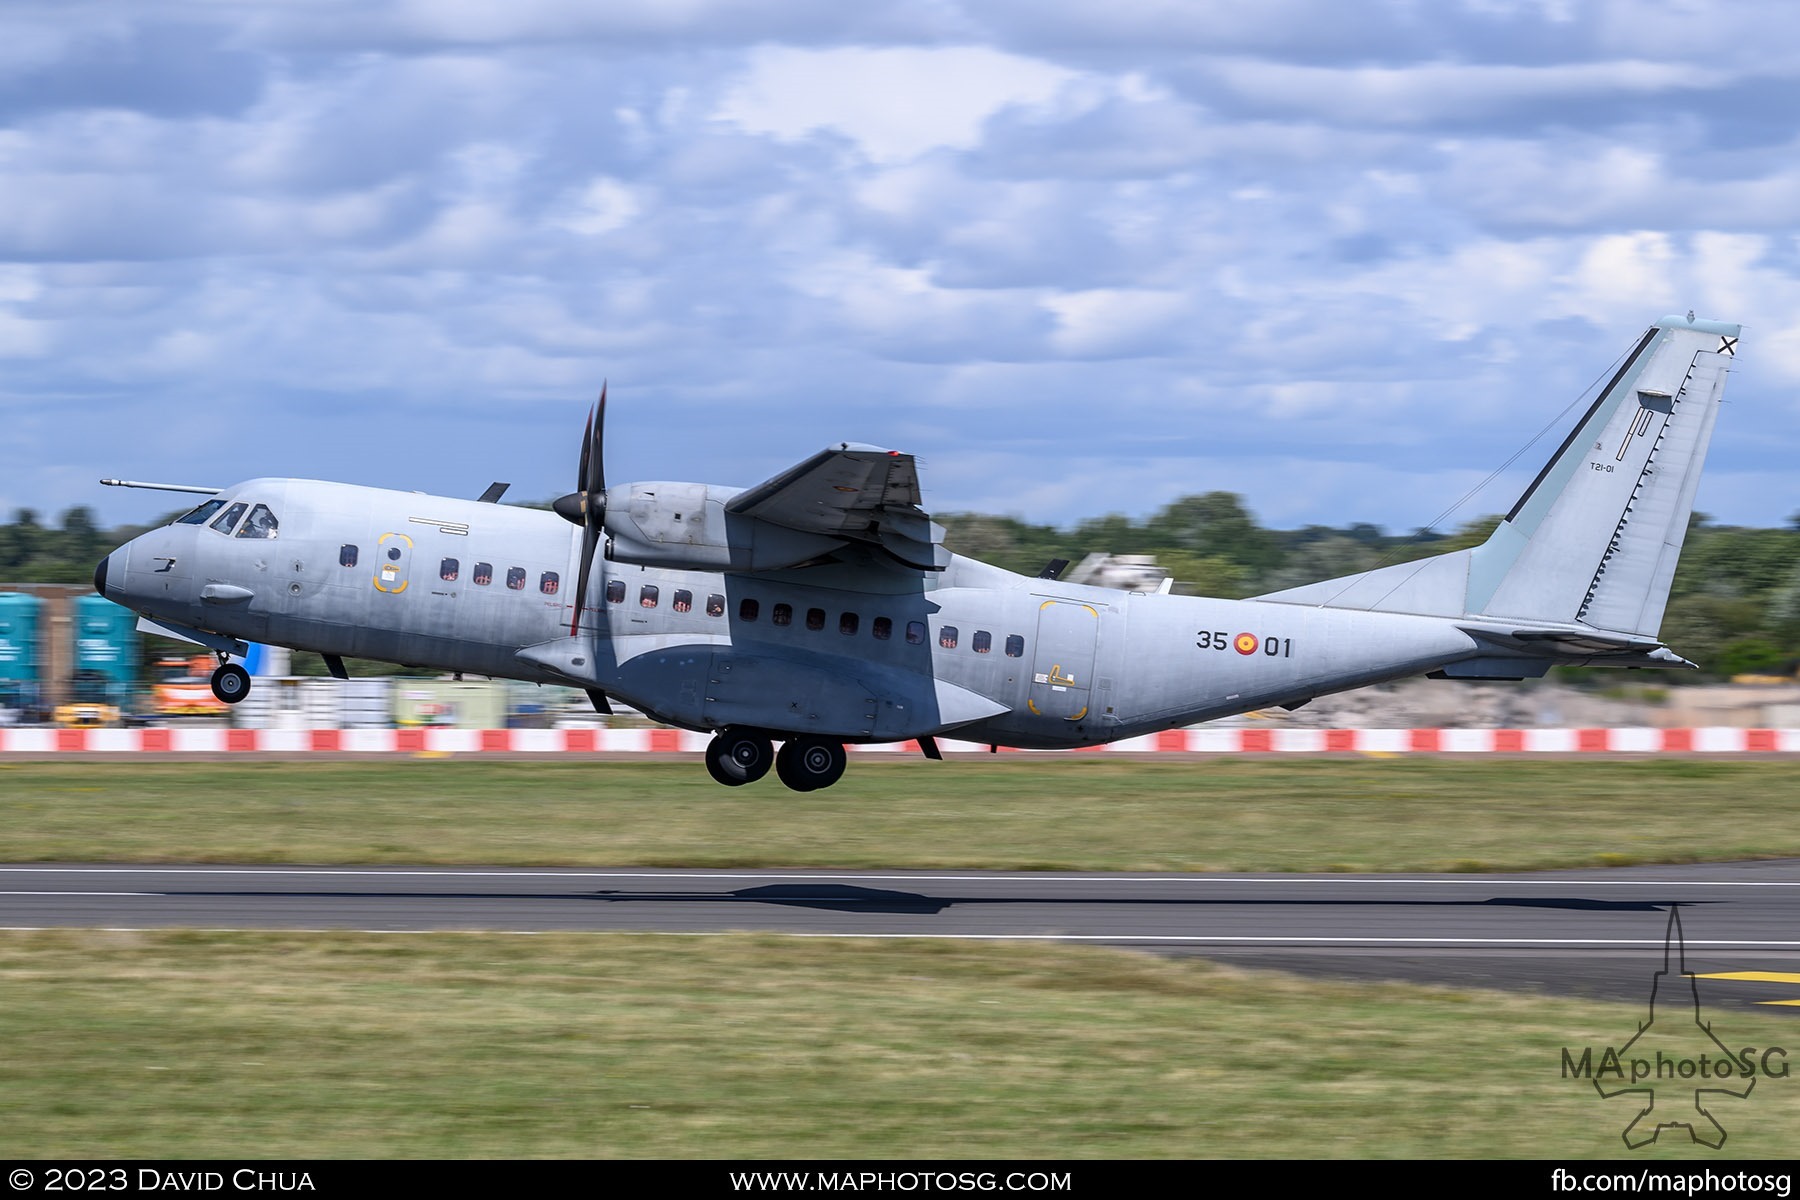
x=1595, y=537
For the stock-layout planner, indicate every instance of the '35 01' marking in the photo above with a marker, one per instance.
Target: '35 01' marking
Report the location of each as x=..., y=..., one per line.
x=1245, y=643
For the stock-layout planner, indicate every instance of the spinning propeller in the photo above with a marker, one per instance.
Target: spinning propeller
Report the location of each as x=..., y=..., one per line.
x=586, y=505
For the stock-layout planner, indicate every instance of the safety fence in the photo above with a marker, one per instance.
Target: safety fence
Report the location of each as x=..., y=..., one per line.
x=217, y=740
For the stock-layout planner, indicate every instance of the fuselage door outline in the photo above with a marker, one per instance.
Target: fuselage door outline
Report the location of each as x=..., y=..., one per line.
x=1067, y=634
x=393, y=557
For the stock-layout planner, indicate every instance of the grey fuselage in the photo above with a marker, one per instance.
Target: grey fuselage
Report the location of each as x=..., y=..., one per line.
x=358, y=571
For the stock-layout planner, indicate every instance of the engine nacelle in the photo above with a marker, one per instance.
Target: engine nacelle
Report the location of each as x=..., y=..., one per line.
x=685, y=526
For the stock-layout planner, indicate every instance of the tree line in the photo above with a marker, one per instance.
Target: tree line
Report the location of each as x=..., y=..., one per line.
x=1734, y=607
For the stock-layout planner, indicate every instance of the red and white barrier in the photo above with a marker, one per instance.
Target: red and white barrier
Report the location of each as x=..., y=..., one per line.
x=676, y=741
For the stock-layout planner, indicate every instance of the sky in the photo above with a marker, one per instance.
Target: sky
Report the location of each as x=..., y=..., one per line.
x=1344, y=257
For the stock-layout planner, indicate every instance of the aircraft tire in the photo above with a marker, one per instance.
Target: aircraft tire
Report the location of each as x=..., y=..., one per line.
x=231, y=683
x=808, y=764
x=735, y=757
x=719, y=769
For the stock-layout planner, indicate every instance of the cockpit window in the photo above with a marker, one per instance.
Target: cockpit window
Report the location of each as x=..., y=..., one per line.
x=199, y=515
x=261, y=524
x=229, y=517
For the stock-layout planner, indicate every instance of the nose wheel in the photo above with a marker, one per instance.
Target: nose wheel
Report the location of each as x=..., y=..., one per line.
x=230, y=683
x=808, y=764
x=736, y=757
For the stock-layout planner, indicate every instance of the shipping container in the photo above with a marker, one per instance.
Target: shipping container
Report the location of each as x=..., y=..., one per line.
x=20, y=619
x=103, y=684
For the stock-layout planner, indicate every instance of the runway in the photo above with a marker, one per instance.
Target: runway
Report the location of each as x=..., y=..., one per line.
x=1599, y=933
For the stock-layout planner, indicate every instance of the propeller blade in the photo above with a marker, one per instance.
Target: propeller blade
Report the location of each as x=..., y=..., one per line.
x=578, y=507
x=593, y=463
x=587, y=441
x=590, y=540
x=586, y=506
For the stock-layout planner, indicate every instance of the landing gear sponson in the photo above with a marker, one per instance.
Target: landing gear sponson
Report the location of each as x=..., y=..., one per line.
x=738, y=756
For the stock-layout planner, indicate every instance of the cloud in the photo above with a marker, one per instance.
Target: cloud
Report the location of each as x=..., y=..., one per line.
x=163, y=67
x=1343, y=258
x=1435, y=94
x=893, y=103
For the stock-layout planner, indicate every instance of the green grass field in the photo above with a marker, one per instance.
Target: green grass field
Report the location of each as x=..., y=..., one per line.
x=1044, y=812
x=484, y=1045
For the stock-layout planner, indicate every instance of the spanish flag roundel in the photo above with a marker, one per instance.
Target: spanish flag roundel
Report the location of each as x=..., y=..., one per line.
x=1245, y=643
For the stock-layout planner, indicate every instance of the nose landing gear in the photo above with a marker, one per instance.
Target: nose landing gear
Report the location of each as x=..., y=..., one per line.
x=230, y=683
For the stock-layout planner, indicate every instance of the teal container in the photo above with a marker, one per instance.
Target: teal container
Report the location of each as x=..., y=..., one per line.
x=106, y=651
x=19, y=617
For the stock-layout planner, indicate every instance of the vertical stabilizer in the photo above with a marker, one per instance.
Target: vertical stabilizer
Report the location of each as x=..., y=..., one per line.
x=1595, y=537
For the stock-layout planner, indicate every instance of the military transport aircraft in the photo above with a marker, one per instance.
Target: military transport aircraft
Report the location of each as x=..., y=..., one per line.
x=820, y=608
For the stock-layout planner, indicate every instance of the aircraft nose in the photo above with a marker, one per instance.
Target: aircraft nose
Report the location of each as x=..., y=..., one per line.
x=107, y=567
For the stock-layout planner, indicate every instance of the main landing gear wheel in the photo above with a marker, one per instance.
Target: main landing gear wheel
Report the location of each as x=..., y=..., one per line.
x=808, y=764
x=230, y=683
x=735, y=758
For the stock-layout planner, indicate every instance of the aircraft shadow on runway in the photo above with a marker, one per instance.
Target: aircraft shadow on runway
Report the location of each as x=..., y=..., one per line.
x=848, y=898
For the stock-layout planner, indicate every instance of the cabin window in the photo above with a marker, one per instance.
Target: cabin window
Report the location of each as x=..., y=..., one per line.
x=515, y=578
x=615, y=591
x=782, y=614
x=882, y=628
x=684, y=601
x=915, y=633
x=748, y=609
x=199, y=515
x=548, y=582
x=983, y=642
x=947, y=637
x=229, y=517
x=261, y=524
x=648, y=595
x=815, y=619
x=1015, y=646
x=346, y=555
x=448, y=570
x=484, y=574
x=847, y=624
x=715, y=606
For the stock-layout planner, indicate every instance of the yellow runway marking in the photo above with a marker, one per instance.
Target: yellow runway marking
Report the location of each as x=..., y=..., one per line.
x=1756, y=977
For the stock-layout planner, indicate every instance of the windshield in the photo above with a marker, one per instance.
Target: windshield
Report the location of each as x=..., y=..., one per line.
x=262, y=524
x=229, y=517
x=199, y=515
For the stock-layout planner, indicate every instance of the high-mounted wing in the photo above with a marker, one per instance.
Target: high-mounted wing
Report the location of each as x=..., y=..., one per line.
x=855, y=492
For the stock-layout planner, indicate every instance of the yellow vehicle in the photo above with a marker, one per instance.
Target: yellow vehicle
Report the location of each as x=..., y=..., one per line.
x=182, y=687
x=93, y=702
x=86, y=714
